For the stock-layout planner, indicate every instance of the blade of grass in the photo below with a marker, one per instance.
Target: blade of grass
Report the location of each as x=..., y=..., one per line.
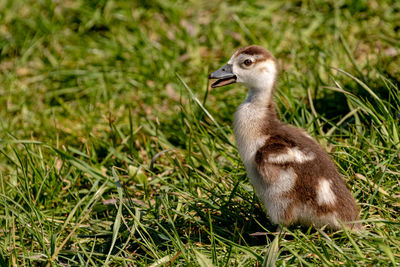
x=117, y=221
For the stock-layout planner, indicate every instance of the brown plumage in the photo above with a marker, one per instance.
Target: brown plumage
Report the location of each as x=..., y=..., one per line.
x=294, y=177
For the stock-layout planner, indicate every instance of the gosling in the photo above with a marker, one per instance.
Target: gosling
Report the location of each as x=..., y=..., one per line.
x=292, y=174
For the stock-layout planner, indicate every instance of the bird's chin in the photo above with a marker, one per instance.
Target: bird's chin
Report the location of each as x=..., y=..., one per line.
x=223, y=82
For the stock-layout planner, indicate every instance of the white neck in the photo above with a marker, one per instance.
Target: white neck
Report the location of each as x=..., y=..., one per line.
x=260, y=98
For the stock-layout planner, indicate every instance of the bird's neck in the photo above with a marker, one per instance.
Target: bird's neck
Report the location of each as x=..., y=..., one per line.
x=262, y=99
x=255, y=119
x=260, y=96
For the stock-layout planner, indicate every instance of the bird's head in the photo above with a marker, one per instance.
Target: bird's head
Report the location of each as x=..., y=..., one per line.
x=252, y=66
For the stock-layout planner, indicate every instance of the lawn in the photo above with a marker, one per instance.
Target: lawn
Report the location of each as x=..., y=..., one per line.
x=115, y=151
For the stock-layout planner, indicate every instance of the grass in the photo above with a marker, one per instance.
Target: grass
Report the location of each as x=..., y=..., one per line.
x=113, y=150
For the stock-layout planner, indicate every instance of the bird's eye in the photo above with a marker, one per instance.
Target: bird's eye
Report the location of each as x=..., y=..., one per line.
x=247, y=62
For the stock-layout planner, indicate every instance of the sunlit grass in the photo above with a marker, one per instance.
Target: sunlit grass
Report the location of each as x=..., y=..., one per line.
x=114, y=151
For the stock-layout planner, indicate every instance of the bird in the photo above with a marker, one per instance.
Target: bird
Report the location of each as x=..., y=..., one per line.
x=293, y=176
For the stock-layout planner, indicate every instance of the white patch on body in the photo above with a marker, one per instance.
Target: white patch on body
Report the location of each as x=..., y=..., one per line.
x=292, y=155
x=325, y=196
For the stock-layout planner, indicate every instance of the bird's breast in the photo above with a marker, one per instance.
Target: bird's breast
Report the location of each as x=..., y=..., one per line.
x=249, y=134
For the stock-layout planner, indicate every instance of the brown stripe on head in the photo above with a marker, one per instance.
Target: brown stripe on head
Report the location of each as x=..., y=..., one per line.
x=255, y=50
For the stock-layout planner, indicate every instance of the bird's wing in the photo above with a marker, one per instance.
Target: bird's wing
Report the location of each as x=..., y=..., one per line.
x=279, y=151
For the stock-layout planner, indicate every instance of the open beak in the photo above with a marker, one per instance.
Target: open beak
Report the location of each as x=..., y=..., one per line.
x=224, y=75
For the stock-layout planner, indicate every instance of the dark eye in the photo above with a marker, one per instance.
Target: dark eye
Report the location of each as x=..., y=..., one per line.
x=247, y=62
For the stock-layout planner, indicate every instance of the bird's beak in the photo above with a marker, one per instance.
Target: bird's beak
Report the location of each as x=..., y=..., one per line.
x=224, y=75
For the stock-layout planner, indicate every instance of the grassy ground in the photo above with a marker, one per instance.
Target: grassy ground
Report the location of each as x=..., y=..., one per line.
x=92, y=91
